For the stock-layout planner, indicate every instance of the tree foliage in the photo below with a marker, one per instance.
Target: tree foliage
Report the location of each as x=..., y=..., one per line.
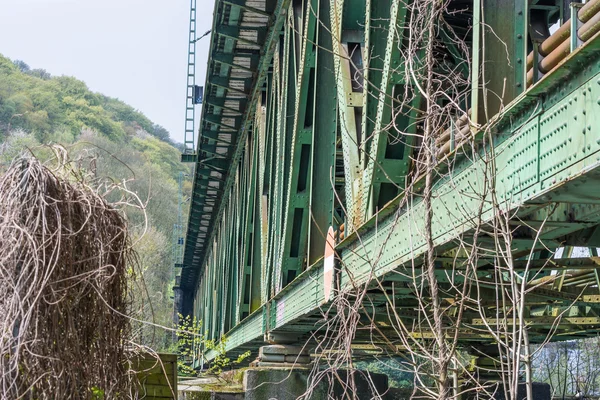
x=192, y=344
x=37, y=102
x=571, y=367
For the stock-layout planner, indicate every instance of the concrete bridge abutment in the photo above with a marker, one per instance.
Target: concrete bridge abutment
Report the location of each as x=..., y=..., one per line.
x=285, y=372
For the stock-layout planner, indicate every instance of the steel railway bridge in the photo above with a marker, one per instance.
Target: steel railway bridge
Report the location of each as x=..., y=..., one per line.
x=296, y=137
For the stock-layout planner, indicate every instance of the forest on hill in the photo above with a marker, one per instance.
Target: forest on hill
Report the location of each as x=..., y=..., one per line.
x=37, y=109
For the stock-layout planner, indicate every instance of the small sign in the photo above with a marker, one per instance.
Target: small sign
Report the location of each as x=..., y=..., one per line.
x=280, y=311
x=198, y=94
x=328, y=264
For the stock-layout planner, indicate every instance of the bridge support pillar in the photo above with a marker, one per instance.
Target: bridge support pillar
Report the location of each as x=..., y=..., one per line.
x=280, y=371
x=282, y=356
x=284, y=372
x=289, y=384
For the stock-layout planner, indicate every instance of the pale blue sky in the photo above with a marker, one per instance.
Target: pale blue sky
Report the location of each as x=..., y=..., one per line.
x=135, y=50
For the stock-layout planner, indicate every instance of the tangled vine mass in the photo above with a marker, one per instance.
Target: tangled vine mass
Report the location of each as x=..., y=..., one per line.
x=64, y=253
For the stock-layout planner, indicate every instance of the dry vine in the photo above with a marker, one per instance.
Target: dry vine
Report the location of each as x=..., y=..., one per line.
x=63, y=272
x=426, y=331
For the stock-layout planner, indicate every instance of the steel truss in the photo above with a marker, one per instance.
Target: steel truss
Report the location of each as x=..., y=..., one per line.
x=287, y=150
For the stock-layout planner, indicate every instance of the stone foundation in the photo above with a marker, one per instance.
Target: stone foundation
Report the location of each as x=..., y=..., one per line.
x=289, y=384
x=282, y=384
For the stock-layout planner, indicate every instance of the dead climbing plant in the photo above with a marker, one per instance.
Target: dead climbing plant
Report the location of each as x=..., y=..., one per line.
x=64, y=254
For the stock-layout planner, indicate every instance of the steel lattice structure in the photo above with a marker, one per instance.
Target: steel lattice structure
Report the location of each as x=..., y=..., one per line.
x=286, y=150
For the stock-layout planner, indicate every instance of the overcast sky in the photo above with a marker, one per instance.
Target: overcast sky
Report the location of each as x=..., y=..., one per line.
x=135, y=50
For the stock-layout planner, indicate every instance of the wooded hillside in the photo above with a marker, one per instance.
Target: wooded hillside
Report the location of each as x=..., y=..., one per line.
x=37, y=108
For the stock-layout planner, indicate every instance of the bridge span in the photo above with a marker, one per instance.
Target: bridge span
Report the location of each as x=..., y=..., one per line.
x=458, y=170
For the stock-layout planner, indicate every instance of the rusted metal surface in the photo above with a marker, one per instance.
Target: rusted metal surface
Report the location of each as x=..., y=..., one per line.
x=589, y=10
x=557, y=46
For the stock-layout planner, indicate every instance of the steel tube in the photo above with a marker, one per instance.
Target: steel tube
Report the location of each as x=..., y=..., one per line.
x=589, y=10
x=462, y=135
x=458, y=125
x=589, y=29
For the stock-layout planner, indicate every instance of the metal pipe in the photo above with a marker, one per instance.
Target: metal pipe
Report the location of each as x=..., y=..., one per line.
x=557, y=55
x=577, y=276
x=589, y=29
x=463, y=134
x=543, y=279
x=458, y=124
x=586, y=12
x=578, y=280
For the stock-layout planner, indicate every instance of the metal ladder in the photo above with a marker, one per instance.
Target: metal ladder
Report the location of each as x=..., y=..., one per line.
x=189, y=153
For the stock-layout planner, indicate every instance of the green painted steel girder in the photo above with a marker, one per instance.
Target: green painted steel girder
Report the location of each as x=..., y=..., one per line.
x=216, y=164
x=253, y=262
x=261, y=74
x=537, y=164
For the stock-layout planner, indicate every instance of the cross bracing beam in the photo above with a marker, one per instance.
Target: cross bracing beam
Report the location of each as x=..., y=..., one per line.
x=239, y=35
x=259, y=258
x=225, y=83
x=244, y=5
x=217, y=119
x=228, y=60
x=217, y=136
x=235, y=112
